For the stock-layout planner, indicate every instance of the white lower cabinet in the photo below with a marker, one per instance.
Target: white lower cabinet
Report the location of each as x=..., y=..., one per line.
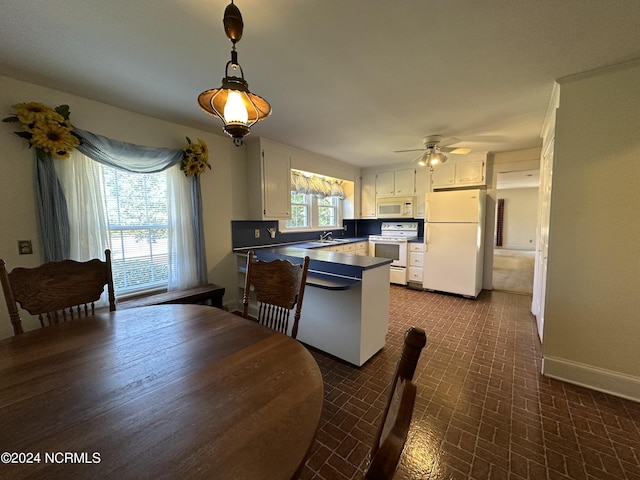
x=355, y=248
x=415, y=264
x=362, y=248
x=349, y=248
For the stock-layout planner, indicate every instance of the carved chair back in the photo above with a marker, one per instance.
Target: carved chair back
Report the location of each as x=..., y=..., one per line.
x=396, y=418
x=57, y=291
x=278, y=288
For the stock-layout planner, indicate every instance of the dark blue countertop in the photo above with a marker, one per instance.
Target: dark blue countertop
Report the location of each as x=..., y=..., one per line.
x=324, y=261
x=333, y=270
x=310, y=244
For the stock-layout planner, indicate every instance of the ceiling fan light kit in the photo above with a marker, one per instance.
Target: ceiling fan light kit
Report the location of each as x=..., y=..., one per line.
x=233, y=103
x=434, y=145
x=431, y=157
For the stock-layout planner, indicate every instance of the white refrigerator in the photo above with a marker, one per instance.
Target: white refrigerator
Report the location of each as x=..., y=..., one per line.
x=454, y=241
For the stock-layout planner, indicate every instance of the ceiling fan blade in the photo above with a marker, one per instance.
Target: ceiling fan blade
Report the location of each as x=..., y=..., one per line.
x=417, y=158
x=456, y=151
x=445, y=142
x=413, y=150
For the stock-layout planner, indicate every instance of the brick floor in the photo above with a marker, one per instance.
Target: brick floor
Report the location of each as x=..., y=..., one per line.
x=483, y=410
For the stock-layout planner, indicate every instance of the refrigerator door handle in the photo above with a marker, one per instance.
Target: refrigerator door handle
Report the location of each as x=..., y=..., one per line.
x=426, y=237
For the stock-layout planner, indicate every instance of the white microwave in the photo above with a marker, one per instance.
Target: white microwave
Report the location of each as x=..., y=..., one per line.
x=394, y=207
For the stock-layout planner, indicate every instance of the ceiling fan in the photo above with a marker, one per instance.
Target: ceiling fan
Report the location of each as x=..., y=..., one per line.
x=434, y=145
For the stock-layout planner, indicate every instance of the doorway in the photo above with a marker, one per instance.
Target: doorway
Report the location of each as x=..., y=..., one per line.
x=515, y=231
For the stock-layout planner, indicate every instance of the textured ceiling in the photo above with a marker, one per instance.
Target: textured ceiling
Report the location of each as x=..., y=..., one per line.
x=350, y=79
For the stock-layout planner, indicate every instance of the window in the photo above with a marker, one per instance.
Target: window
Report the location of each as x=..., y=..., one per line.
x=309, y=211
x=316, y=201
x=299, y=211
x=328, y=212
x=138, y=228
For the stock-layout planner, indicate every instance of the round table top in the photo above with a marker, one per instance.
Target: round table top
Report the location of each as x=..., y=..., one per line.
x=170, y=391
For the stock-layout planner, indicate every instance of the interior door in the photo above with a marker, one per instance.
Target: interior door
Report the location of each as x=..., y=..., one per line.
x=542, y=240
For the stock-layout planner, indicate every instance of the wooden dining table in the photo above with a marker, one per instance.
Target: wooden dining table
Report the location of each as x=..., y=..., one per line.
x=169, y=391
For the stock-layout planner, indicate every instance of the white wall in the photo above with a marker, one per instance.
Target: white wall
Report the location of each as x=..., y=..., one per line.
x=520, y=217
x=18, y=217
x=592, y=314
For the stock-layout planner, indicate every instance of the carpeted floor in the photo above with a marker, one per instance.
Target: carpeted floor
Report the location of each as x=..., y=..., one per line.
x=513, y=270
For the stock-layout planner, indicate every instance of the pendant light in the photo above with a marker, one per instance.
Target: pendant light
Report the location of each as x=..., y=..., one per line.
x=233, y=103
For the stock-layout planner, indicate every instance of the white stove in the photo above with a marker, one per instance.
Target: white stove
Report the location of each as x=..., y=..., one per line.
x=400, y=231
x=392, y=243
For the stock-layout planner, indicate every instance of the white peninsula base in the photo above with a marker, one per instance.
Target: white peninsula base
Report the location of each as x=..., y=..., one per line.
x=350, y=324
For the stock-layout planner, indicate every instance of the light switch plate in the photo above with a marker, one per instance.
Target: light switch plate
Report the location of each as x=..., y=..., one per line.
x=25, y=247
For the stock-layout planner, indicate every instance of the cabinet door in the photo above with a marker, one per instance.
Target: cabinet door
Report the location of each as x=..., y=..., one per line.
x=422, y=187
x=349, y=248
x=416, y=259
x=276, y=183
x=385, y=183
x=415, y=274
x=362, y=248
x=470, y=173
x=368, y=196
x=405, y=182
x=443, y=175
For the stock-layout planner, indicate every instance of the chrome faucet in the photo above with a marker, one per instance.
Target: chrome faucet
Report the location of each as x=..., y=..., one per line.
x=325, y=236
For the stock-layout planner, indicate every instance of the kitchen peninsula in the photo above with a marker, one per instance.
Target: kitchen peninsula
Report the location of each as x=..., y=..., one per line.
x=345, y=310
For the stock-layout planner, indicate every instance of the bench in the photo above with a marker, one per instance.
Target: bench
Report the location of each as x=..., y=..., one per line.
x=209, y=293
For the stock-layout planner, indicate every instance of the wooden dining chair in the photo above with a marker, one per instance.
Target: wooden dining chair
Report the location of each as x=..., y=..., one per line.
x=396, y=418
x=57, y=291
x=278, y=288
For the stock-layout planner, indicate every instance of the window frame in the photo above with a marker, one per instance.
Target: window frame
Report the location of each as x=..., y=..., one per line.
x=313, y=215
x=123, y=257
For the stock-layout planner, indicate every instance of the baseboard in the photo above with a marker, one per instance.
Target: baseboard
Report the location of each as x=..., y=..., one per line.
x=600, y=379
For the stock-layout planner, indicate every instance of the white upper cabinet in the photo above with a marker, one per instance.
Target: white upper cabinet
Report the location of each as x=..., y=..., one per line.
x=405, y=182
x=396, y=183
x=443, y=175
x=470, y=173
x=385, y=184
x=368, y=196
x=460, y=174
x=423, y=179
x=269, y=180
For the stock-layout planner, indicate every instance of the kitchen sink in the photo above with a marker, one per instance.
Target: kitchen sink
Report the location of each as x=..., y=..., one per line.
x=333, y=240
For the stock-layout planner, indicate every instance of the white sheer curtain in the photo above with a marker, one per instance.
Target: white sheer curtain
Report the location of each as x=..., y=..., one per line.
x=183, y=272
x=79, y=177
x=80, y=180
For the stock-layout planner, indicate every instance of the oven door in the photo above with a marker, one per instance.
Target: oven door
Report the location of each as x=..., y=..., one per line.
x=393, y=249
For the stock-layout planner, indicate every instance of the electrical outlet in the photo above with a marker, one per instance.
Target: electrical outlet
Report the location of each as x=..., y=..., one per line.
x=25, y=247
x=256, y=233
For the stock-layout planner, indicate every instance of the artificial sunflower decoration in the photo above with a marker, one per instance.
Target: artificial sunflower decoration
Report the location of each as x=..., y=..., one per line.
x=48, y=130
x=195, y=158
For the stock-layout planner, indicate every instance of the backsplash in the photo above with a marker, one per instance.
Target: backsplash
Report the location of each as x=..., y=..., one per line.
x=243, y=232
